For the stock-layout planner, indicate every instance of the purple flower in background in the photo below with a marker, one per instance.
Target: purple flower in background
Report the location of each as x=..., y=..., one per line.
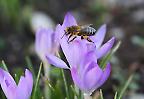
x=46, y=42
x=82, y=57
x=12, y=91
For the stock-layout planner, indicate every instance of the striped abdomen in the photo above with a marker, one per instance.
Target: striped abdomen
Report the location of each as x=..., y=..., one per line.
x=87, y=31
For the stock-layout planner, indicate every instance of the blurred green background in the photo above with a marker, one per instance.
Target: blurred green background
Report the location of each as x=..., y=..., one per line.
x=19, y=19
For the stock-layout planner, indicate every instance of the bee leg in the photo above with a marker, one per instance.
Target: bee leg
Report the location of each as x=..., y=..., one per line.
x=72, y=39
x=88, y=39
x=66, y=33
x=63, y=36
x=82, y=37
x=69, y=37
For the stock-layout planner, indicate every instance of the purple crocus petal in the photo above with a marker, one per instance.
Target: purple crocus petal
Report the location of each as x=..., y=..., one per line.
x=105, y=48
x=22, y=91
x=91, y=47
x=73, y=51
x=1, y=75
x=29, y=79
x=8, y=89
x=99, y=37
x=66, y=49
x=88, y=58
x=92, y=76
x=56, y=61
x=76, y=78
x=43, y=41
x=8, y=84
x=104, y=77
x=69, y=20
x=78, y=49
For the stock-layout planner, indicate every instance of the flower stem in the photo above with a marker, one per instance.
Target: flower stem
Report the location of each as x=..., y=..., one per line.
x=37, y=81
x=65, y=84
x=87, y=96
x=101, y=94
x=46, y=74
x=81, y=95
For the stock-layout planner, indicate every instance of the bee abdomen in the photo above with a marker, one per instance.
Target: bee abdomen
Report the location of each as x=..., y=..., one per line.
x=89, y=31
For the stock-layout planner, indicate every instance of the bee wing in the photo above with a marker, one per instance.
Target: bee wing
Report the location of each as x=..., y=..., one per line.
x=87, y=25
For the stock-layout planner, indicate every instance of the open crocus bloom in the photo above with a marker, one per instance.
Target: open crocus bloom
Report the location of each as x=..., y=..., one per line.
x=85, y=71
x=82, y=57
x=98, y=38
x=71, y=49
x=12, y=91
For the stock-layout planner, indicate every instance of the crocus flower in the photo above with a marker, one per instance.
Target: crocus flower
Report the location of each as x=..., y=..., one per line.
x=82, y=57
x=12, y=91
x=46, y=42
x=85, y=71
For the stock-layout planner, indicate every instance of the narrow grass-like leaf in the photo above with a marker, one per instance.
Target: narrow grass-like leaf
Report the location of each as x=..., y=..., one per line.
x=2, y=95
x=16, y=78
x=65, y=84
x=49, y=85
x=115, y=97
x=81, y=95
x=74, y=91
x=101, y=94
x=4, y=66
x=30, y=66
x=138, y=40
x=109, y=55
x=37, y=81
x=122, y=91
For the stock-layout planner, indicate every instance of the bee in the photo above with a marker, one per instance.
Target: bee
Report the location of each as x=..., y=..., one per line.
x=84, y=31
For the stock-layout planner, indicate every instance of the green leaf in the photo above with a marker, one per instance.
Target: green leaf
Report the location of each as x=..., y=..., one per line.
x=122, y=91
x=65, y=84
x=37, y=81
x=49, y=85
x=109, y=55
x=74, y=91
x=16, y=78
x=115, y=97
x=137, y=40
x=30, y=66
x=4, y=66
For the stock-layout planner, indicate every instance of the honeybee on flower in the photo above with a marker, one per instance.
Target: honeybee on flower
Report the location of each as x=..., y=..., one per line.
x=84, y=31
